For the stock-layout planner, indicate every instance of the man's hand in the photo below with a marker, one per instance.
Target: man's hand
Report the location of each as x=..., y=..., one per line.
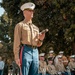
x=42, y=36
x=18, y=62
x=40, y=40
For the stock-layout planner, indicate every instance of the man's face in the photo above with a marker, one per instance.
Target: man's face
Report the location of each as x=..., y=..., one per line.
x=72, y=59
x=42, y=58
x=50, y=61
x=59, y=59
x=28, y=14
x=51, y=54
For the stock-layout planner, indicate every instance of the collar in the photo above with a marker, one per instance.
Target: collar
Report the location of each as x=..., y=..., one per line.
x=29, y=22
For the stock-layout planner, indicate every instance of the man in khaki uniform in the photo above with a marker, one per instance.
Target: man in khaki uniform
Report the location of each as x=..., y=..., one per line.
x=51, y=54
x=27, y=35
x=60, y=66
x=72, y=64
x=56, y=58
x=51, y=69
x=42, y=64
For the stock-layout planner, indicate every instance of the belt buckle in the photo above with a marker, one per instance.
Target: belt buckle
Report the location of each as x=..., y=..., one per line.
x=34, y=47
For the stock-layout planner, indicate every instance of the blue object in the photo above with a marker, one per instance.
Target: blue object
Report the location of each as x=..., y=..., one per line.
x=30, y=61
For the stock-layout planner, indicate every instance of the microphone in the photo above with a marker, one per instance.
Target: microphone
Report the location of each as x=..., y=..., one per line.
x=44, y=31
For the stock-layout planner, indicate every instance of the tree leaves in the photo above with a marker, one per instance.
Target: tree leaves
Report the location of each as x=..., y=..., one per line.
x=56, y=15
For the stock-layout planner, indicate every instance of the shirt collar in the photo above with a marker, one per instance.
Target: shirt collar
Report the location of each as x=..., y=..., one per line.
x=29, y=22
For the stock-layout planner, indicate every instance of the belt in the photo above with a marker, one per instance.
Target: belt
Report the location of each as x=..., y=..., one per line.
x=31, y=46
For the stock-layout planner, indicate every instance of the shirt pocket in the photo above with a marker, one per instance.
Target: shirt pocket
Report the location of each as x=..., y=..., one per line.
x=26, y=30
x=35, y=34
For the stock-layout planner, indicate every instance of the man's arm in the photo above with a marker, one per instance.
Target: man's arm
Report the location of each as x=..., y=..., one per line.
x=40, y=40
x=17, y=39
